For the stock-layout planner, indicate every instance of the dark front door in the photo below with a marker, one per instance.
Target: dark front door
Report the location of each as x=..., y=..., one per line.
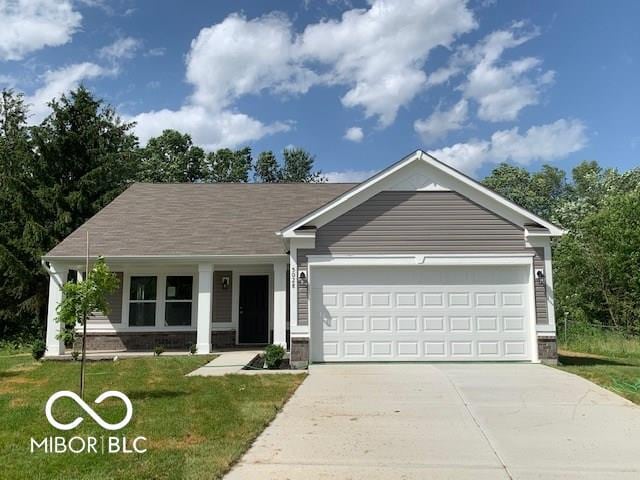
x=254, y=309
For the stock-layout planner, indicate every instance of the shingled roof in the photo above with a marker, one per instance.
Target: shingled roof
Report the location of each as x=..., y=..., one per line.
x=197, y=219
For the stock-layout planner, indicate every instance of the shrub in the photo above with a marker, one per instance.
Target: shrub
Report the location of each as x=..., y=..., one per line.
x=75, y=355
x=158, y=350
x=38, y=347
x=273, y=355
x=193, y=349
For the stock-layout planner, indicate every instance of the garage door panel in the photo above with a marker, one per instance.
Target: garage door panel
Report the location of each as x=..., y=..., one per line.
x=424, y=315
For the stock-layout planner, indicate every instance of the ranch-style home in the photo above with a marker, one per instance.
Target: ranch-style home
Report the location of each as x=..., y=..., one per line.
x=417, y=263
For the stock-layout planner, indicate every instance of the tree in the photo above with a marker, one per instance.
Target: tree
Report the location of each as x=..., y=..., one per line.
x=597, y=265
x=19, y=300
x=54, y=177
x=297, y=167
x=225, y=165
x=171, y=157
x=539, y=192
x=79, y=299
x=267, y=169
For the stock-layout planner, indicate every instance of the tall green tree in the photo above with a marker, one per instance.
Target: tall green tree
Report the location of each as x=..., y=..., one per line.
x=267, y=169
x=19, y=233
x=171, y=157
x=297, y=166
x=71, y=165
x=226, y=165
x=540, y=192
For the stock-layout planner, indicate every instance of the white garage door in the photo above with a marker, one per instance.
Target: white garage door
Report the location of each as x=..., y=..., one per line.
x=420, y=313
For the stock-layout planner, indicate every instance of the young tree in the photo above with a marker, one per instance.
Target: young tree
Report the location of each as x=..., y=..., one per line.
x=171, y=157
x=79, y=300
x=225, y=165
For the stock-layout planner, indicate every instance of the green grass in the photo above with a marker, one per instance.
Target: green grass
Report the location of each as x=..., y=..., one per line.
x=196, y=427
x=606, y=344
x=608, y=359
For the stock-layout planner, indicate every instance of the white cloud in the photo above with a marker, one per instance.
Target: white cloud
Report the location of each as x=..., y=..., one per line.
x=354, y=134
x=123, y=48
x=502, y=89
x=239, y=57
x=380, y=52
x=209, y=129
x=349, y=176
x=29, y=25
x=440, y=122
x=542, y=143
x=57, y=82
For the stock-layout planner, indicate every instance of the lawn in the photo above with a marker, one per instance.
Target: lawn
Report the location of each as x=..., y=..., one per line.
x=610, y=360
x=196, y=427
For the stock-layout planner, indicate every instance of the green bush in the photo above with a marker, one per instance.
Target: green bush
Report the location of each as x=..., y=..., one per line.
x=193, y=349
x=273, y=355
x=38, y=347
x=158, y=350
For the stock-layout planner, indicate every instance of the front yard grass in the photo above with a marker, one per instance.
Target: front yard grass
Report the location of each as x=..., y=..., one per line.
x=620, y=375
x=196, y=427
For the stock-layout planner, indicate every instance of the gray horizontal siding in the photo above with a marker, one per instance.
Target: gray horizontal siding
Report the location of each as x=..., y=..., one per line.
x=114, y=303
x=542, y=318
x=424, y=222
x=222, y=297
x=412, y=222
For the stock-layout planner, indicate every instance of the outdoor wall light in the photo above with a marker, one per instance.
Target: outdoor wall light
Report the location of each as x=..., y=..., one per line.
x=302, y=279
x=540, y=276
x=225, y=283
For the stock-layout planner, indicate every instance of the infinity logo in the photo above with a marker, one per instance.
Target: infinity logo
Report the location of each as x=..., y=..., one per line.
x=107, y=426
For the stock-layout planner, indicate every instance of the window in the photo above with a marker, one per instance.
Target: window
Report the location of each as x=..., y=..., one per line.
x=179, y=299
x=142, y=302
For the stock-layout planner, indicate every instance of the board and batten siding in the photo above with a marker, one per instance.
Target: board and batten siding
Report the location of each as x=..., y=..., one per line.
x=222, y=298
x=114, y=302
x=542, y=318
x=414, y=222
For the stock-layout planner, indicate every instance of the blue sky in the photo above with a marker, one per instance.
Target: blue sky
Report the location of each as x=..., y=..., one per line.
x=359, y=84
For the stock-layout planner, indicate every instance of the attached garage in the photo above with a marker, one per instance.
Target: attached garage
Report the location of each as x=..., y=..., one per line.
x=421, y=313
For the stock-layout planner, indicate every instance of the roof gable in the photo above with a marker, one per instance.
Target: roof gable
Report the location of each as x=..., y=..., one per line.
x=419, y=172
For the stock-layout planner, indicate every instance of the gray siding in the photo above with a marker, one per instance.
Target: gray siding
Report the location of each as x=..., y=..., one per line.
x=541, y=289
x=114, y=301
x=412, y=222
x=222, y=297
x=425, y=222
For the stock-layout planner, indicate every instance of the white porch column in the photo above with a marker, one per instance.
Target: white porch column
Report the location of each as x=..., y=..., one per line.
x=280, y=304
x=57, y=278
x=205, y=293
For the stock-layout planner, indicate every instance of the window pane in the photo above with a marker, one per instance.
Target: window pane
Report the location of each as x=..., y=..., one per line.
x=142, y=314
x=179, y=288
x=142, y=288
x=177, y=314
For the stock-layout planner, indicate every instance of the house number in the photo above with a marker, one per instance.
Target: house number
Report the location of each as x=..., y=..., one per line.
x=293, y=276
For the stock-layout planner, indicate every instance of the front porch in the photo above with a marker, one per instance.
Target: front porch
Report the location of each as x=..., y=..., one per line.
x=237, y=302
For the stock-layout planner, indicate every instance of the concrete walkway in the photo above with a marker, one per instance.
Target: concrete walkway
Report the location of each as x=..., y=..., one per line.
x=449, y=421
x=226, y=362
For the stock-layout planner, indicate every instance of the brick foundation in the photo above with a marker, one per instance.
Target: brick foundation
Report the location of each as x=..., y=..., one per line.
x=548, y=350
x=299, y=352
x=146, y=341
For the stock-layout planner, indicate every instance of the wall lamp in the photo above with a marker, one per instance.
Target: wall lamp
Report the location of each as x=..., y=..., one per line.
x=225, y=283
x=302, y=279
x=540, y=276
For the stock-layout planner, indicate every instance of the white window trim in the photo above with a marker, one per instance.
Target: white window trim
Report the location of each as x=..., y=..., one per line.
x=161, y=276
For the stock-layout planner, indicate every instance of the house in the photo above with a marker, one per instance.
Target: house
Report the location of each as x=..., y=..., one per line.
x=417, y=263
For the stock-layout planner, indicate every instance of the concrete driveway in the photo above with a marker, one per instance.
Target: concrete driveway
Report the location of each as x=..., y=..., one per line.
x=449, y=421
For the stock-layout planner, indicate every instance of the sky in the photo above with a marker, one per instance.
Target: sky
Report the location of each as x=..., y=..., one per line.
x=360, y=84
